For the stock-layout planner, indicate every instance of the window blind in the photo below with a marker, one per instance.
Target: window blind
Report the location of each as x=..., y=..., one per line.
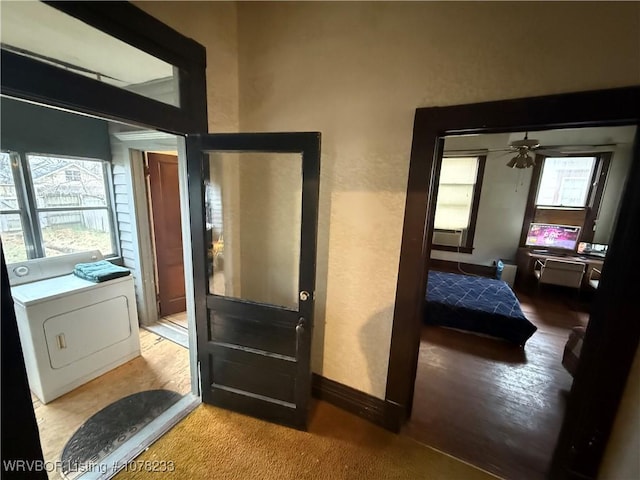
x=455, y=193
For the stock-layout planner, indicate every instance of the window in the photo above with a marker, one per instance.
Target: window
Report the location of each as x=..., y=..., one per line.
x=567, y=191
x=457, y=203
x=565, y=181
x=13, y=241
x=54, y=206
x=72, y=175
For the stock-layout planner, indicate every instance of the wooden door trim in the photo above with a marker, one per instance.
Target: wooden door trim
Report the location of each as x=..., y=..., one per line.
x=600, y=176
x=613, y=334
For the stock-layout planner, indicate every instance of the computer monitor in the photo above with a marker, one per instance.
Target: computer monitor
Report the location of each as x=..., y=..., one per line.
x=545, y=235
x=593, y=249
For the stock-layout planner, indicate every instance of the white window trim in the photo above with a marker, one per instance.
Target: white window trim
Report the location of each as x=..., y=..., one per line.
x=29, y=211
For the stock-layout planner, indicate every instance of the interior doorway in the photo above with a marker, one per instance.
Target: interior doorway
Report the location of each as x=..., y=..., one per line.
x=63, y=81
x=163, y=199
x=519, y=382
x=96, y=378
x=610, y=342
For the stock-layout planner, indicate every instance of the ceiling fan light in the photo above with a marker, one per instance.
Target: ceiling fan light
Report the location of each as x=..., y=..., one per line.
x=522, y=160
x=531, y=162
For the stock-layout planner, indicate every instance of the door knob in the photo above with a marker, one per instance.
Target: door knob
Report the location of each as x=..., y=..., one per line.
x=299, y=333
x=304, y=295
x=300, y=326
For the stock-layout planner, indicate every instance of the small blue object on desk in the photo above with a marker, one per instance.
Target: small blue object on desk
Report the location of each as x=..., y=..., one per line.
x=499, y=269
x=99, y=271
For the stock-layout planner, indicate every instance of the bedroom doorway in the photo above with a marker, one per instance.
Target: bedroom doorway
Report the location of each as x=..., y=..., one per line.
x=588, y=415
x=509, y=358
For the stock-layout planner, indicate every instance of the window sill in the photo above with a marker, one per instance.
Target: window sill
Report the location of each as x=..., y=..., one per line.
x=450, y=248
x=116, y=259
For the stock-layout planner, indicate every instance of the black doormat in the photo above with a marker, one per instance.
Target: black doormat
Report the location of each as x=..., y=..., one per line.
x=111, y=427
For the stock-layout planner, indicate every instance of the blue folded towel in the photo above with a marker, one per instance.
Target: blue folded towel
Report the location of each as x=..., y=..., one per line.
x=99, y=271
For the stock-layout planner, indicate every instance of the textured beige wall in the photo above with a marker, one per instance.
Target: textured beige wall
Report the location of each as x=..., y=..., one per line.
x=213, y=25
x=622, y=457
x=356, y=72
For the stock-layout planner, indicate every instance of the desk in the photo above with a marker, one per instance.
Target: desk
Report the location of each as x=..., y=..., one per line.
x=526, y=261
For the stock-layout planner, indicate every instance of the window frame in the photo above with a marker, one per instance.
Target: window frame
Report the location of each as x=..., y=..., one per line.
x=467, y=247
x=29, y=210
x=594, y=195
x=591, y=179
x=22, y=211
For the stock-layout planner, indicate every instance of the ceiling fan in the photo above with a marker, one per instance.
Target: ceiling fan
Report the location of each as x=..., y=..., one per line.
x=525, y=147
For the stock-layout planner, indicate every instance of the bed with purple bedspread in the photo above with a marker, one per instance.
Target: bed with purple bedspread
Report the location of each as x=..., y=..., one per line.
x=476, y=304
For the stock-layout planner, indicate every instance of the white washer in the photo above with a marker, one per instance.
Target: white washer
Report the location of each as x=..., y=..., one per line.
x=73, y=330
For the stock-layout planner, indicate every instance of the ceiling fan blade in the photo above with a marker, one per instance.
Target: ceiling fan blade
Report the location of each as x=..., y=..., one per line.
x=547, y=150
x=550, y=153
x=564, y=150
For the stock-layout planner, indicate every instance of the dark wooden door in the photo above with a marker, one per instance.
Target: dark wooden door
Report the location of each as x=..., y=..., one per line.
x=254, y=211
x=164, y=197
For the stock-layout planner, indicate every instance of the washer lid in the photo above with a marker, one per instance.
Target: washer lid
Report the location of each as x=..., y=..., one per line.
x=43, y=290
x=48, y=267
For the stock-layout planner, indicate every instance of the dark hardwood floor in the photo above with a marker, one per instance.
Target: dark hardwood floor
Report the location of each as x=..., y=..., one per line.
x=497, y=406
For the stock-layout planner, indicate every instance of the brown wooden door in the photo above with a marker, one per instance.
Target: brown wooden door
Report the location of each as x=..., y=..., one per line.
x=165, y=207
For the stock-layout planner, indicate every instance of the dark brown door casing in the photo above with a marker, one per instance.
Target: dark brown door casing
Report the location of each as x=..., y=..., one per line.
x=164, y=196
x=613, y=333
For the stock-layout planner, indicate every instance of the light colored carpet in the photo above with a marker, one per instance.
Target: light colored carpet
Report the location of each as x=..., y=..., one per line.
x=218, y=444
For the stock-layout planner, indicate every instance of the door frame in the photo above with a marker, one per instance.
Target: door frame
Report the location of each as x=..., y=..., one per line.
x=612, y=338
x=27, y=79
x=132, y=146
